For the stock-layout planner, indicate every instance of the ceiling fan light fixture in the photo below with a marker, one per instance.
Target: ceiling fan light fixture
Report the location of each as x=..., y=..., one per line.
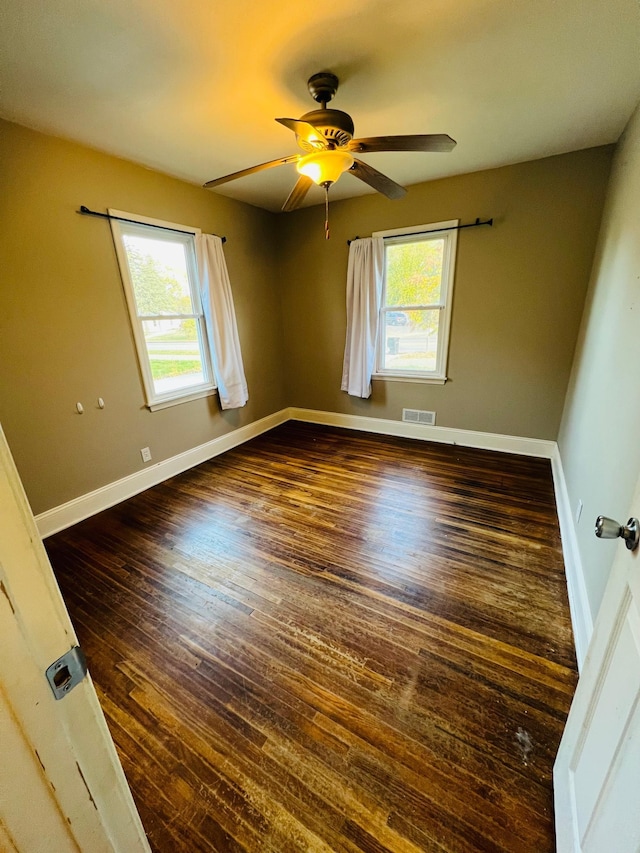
x=326, y=138
x=325, y=167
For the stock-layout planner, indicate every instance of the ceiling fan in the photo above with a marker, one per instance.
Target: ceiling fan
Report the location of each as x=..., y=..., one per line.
x=326, y=139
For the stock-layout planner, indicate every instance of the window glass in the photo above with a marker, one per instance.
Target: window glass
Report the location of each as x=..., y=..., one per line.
x=411, y=340
x=174, y=352
x=159, y=274
x=416, y=303
x=414, y=272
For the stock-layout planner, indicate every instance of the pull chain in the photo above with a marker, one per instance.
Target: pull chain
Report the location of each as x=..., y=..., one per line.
x=326, y=212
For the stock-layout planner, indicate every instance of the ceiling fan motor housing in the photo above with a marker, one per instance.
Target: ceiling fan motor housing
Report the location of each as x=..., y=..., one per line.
x=336, y=127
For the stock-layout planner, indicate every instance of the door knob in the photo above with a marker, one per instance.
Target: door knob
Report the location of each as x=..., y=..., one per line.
x=608, y=528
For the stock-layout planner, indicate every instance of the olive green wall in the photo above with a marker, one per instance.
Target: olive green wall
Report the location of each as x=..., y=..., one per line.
x=600, y=430
x=65, y=334
x=519, y=292
x=64, y=329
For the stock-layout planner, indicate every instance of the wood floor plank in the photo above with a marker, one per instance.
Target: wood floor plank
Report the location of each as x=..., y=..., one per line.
x=332, y=642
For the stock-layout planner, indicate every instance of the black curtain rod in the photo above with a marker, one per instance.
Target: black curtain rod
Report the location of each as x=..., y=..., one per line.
x=86, y=212
x=433, y=230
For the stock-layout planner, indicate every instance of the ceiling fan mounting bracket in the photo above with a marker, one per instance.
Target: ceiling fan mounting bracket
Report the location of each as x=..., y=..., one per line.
x=323, y=86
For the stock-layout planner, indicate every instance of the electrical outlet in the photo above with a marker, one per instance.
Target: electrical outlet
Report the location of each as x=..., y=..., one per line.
x=579, y=511
x=146, y=454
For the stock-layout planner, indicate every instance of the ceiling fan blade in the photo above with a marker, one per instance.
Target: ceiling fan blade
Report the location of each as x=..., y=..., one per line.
x=298, y=193
x=415, y=142
x=292, y=158
x=305, y=131
x=377, y=180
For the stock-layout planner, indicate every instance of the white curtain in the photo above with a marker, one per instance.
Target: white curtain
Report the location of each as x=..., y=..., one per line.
x=364, y=292
x=220, y=318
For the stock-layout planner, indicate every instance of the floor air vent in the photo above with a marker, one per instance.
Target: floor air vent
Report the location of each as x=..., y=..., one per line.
x=417, y=416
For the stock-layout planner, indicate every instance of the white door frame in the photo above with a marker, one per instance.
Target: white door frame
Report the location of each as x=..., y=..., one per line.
x=62, y=786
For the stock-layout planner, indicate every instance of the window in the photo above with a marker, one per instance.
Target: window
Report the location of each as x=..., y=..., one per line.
x=159, y=274
x=416, y=302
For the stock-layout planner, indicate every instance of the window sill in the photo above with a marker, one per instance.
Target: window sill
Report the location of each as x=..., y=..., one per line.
x=426, y=380
x=185, y=398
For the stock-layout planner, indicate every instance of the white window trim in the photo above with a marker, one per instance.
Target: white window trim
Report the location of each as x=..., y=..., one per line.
x=406, y=377
x=395, y=235
x=156, y=401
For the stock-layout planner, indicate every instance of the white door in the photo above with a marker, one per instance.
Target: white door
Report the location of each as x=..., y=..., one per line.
x=61, y=784
x=597, y=770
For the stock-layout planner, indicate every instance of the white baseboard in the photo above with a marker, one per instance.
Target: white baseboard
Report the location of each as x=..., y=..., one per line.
x=445, y=435
x=60, y=517
x=76, y=510
x=581, y=618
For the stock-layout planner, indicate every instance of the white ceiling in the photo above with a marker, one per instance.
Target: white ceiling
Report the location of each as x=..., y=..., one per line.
x=191, y=88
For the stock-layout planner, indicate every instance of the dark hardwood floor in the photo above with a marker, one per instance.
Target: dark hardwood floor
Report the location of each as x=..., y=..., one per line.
x=331, y=641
